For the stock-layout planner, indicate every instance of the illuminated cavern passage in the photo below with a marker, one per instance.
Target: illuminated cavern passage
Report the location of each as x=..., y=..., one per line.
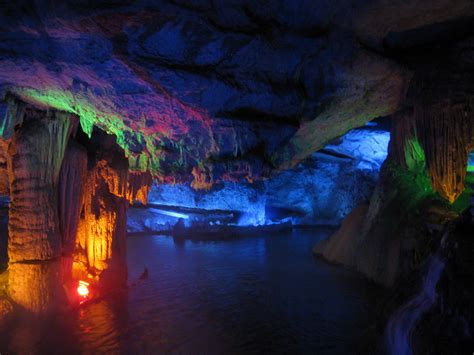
x=236, y=145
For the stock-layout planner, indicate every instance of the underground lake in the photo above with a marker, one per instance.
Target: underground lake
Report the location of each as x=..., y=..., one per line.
x=229, y=295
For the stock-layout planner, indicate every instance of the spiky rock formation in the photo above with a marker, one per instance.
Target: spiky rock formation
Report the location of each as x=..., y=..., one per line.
x=102, y=226
x=68, y=202
x=139, y=185
x=205, y=91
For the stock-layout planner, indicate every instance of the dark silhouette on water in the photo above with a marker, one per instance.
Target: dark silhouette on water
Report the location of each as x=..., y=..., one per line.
x=144, y=275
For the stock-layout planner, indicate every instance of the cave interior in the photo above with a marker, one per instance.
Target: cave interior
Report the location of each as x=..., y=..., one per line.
x=214, y=120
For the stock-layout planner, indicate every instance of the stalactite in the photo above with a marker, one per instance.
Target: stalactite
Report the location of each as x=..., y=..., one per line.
x=139, y=185
x=100, y=243
x=437, y=137
x=404, y=147
x=446, y=133
x=202, y=178
x=35, y=157
x=71, y=190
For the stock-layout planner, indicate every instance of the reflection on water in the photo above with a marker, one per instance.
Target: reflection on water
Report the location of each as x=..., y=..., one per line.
x=260, y=293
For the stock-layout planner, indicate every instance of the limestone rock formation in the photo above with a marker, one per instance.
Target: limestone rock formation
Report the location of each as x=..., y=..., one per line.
x=67, y=201
x=72, y=184
x=380, y=243
x=100, y=243
x=3, y=232
x=37, y=287
x=321, y=190
x=4, y=183
x=447, y=135
x=35, y=155
x=138, y=187
x=212, y=91
x=340, y=247
x=425, y=170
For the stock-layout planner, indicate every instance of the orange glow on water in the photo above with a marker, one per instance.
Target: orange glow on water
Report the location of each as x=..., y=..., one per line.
x=83, y=289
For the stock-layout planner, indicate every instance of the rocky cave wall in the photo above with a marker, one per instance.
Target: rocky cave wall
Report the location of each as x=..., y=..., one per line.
x=322, y=190
x=201, y=92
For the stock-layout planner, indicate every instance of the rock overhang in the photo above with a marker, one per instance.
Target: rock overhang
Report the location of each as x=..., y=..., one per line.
x=211, y=91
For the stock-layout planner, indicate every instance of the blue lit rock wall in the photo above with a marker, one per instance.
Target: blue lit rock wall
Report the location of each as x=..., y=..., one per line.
x=325, y=188
x=321, y=190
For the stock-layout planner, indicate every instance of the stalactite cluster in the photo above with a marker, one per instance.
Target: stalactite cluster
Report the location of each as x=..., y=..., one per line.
x=139, y=185
x=72, y=184
x=68, y=203
x=101, y=235
x=446, y=133
x=438, y=138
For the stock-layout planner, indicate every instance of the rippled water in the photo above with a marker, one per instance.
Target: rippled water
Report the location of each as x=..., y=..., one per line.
x=261, y=293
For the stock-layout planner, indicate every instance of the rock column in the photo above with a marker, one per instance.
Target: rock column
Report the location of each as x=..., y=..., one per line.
x=35, y=155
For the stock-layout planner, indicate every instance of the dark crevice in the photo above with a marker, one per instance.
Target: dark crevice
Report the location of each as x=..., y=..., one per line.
x=255, y=115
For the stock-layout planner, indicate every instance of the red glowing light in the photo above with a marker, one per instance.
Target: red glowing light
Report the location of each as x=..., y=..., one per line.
x=83, y=289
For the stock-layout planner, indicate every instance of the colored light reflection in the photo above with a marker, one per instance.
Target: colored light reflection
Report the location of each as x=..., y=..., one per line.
x=83, y=289
x=170, y=213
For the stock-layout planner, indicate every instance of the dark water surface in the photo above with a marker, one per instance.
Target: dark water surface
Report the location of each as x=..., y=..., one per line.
x=262, y=293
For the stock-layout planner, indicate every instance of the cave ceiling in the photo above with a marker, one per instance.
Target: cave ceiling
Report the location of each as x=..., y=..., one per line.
x=211, y=90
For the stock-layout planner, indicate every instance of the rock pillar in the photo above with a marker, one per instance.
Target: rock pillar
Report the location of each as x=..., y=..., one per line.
x=35, y=156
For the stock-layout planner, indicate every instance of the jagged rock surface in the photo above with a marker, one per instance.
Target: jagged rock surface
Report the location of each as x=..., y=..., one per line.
x=207, y=91
x=321, y=190
x=100, y=243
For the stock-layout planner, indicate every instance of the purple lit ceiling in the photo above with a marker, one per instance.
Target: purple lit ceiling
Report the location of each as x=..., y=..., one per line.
x=210, y=90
